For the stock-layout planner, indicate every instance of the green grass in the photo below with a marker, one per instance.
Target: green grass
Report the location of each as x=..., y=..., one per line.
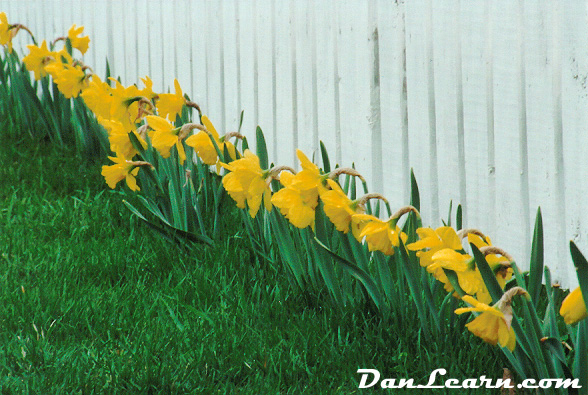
x=93, y=302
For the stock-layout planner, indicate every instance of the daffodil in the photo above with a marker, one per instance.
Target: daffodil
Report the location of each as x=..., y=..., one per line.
x=122, y=169
x=295, y=204
x=493, y=325
x=118, y=136
x=37, y=59
x=469, y=278
x=248, y=182
x=338, y=207
x=165, y=136
x=573, y=308
x=123, y=105
x=310, y=176
x=7, y=32
x=202, y=143
x=147, y=92
x=170, y=105
x=70, y=80
x=431, y=241
x=4, y=29
x=381, y=235
x=80, y=43
x=97, y=98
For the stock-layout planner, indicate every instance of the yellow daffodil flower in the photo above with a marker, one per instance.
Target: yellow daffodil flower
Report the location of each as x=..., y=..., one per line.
x=80, y=43
x=203, y=146
x=118, y=136
x=122, y=169
x=7, y=32
x=98, y=98
x=147, y=92
x=165, y=136
x=491, y=326
x=247, y=181
x=295, y=204
x=381, y=235
x=170, y=105
x=338, y=207
x=310, y=176
x=433, y=241
x=37, y=59
x=124, y=107
x=70, y=80
x=469, y=278
x=573, y=308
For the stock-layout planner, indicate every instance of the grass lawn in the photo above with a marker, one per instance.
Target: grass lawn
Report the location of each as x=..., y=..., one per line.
x=93, y=302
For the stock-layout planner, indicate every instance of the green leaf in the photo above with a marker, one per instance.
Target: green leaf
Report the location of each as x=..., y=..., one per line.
x=287, y=247
x=487, y=274
x=325, y=156
x=556, y=349
x=173, y=232
x=261, y=149
x=459, y=218
x=581, y=359
x=364, y=278
x=415, y=199
x=581, y=268
x=240, y=121
x=108, y=73
x=454, y=281
x=537, y=263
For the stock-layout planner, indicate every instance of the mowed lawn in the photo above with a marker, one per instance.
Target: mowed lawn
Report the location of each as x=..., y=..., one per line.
x=91, y=301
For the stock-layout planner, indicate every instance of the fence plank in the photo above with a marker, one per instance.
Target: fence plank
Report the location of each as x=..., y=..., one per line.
x=421, y=122
x=394, y=124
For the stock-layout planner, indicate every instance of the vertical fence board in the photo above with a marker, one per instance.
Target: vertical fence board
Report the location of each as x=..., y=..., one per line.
x=265, y=79
x=232, y=105
x=445, y=37
x=247, y=87
x=325, y=28
x=197, y=51
x=475, y=107
x=574, y=62
x=301, y=15
x=417, y=68
x=118, y=43
x=539, y=67
x=391, y=52
x=509, y=232
x=354, y=87
x=284, y=116
x=214, y=69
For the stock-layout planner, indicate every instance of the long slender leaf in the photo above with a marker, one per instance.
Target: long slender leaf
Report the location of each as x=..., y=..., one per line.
x=536, y=266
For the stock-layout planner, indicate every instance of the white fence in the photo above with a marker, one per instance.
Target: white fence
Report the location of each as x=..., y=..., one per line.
x=486, y=100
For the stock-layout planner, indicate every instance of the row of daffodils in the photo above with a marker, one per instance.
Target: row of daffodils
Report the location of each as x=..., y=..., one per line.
x=139, y=120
